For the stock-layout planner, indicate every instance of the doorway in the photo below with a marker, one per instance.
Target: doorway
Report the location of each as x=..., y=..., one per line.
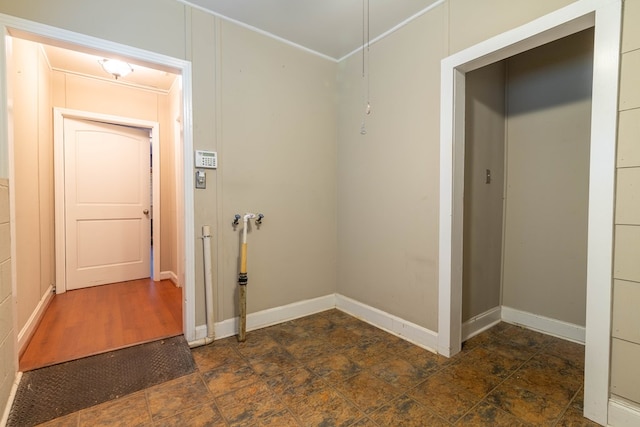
x=604, y=17
x=527, y=138
x=182, y=106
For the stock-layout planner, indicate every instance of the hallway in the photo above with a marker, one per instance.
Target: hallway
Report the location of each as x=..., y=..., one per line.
x=94, y=320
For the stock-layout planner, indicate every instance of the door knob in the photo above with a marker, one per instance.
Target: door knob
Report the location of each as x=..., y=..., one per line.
x=146, y=211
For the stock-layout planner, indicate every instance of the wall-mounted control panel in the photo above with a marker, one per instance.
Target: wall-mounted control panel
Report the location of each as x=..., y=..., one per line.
x=206, y=159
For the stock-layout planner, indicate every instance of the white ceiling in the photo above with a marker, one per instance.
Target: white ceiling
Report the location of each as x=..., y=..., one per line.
x=332, y=28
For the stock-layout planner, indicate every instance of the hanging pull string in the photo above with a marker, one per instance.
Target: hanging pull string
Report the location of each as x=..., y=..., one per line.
x=365, y=64
x=363, y=29
x=368, y=109
x=363, y=129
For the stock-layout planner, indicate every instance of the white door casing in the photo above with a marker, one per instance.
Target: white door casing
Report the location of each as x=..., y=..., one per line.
x=100, y=239
x=605, y=17
x=107, y=203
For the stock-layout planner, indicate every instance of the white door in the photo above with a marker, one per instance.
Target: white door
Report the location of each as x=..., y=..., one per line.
x=107, y=203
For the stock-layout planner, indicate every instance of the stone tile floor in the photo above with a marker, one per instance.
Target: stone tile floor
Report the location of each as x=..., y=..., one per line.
x=331, y=369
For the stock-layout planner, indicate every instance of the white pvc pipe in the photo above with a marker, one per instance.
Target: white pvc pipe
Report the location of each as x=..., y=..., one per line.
x=245, y=220
x=208, y=290
x=208, y=281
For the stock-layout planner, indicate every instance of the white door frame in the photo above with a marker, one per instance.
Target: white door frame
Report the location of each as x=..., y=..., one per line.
x=605, y=16
x=13, y=26
x=59, y=114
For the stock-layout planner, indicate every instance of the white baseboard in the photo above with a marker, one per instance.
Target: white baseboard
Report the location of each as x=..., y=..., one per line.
x=416, y=334
x=12, y=396
x=404, y=329
x=623, y=414
x=169, y=275
x=272, y=316
x=481, y=323
x=409, y=331
x=32, y=323
x=201, y=332
x=557, y=328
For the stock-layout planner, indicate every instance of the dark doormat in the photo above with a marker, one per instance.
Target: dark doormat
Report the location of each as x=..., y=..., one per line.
x=54, y=391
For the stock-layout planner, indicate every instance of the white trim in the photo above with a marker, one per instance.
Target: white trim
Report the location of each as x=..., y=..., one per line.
x=179, y=66
x=306, y=49
x=201, y=332
x=258, y=30
x=188, y=212
x=395, y=28
x=30, y=30
x=623, y=414
x=546, y=325
x=269, y=317
x=29, y=328
x=582, y=14
x=604, y=127
x=12, y=396
x=480, y=323
x=59, y=115
x=179, y=219
x=273, y=316
x=155, y=199
x=406, y=330
x=170, y=275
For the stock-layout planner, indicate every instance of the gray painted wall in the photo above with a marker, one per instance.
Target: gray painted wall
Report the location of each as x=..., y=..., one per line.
x=483, y=202
x=548, y=134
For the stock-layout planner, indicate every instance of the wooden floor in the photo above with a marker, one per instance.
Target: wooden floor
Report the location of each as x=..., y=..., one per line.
x=94, y=320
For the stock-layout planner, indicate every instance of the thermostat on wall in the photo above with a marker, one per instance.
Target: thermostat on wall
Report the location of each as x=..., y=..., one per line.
x=206, y=159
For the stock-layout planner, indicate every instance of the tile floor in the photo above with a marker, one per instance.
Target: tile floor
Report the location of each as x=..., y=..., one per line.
x=331, y=369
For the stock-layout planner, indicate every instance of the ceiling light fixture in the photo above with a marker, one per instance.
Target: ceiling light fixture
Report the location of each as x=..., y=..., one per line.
x=115, y=67
x=365, y=64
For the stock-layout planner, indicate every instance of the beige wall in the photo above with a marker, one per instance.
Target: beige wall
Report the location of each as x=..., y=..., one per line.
x=401, y=73
x=7, y=336
x=268, y=109
x=547, y=193
x=388, y=179
x=278, y=156
x=155, y=25
x=270, y=114
x=472, y=21
x=625, y=370
x=33, y=162
x=170, y=117
x=483, y=202
x=204, y=52
x=103, y=96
